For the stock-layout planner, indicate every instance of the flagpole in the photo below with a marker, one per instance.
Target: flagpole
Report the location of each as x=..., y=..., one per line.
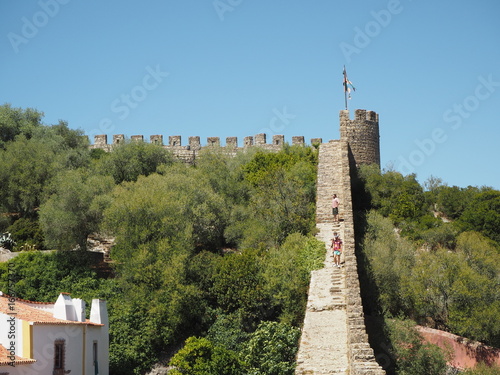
x=345, y=88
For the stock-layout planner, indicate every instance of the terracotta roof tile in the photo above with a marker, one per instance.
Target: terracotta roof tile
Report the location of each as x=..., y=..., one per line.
x=23, y=311
x=5, y=360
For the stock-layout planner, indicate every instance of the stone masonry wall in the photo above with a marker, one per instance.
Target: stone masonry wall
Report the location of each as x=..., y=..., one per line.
x=362, y=134
x=189, y=152
x=361, y=355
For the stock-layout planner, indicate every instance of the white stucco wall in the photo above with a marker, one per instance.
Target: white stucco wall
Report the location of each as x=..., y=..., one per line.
x=15, y=330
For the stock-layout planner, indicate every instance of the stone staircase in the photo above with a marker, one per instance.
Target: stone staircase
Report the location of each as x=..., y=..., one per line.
x=334, y=339
x=328, y=180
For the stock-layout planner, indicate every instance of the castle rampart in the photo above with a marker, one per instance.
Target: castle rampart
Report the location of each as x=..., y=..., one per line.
x=189, y=152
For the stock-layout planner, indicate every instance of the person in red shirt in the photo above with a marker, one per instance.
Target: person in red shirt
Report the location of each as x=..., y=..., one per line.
x=337, y=249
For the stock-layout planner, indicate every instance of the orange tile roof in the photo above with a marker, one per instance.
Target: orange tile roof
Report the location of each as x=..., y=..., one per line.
x=23, y=311
x=5, y=360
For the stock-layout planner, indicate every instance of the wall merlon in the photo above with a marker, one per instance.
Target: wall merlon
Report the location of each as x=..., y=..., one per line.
x=260, y=139
x=137, y=138
x=213, y=141
x=316, y=141
x=194, y=143
x=156, y=139
x=278, y=140
x=174, y=141
x=101, y=139
x=232, y=142
x=298, y=140
x=118, y=138
x=248, y=141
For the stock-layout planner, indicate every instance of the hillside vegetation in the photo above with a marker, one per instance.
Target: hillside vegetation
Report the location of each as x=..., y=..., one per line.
x=218, y=253
x=431, y=255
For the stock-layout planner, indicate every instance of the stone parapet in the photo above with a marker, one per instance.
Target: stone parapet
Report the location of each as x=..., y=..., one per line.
x=189, y=152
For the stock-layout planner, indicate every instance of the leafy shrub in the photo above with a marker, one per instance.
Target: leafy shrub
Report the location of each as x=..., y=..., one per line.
x=413, y=357
x=200, y=356
x=271, y=349
x=26, y=230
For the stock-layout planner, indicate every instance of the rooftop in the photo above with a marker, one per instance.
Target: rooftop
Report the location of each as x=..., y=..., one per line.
x=25, y=310
x=5, y=360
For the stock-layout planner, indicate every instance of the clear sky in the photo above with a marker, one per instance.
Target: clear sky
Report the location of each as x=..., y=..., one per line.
x=221, y=68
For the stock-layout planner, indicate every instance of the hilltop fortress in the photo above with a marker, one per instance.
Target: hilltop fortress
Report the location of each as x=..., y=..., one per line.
x=334, y=338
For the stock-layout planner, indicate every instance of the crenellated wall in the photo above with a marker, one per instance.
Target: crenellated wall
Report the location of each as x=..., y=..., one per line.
x=189, y=152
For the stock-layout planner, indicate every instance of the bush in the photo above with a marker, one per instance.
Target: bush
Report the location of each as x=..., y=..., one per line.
x=483, y=369
x=27, y=231
x=200, y=356
x=413, y=357
x=271, y=349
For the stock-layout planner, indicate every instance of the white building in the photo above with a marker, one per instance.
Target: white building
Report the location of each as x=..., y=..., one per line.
x=53, y=338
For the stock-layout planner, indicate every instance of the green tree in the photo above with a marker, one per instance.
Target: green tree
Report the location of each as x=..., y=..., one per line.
x=75, y=208
x=158, y=220
x=178, y=206
x=27, y=231
x=476, y=290
x=398, y=197
x=200, y=356
x=286, y=271
x=282, y=197
x=272, y=348
x=483, y=214
x=389, y=257
x=17, y=121
x=38, y=276
x=27, y=168
x=238, y=286
x=413, y=356
x=130, y=160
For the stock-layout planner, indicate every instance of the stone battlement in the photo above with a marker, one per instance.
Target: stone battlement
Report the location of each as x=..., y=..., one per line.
x=101, y=141
x=188, y=153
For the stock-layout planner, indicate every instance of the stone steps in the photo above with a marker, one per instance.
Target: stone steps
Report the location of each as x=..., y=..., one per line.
x=324, y=342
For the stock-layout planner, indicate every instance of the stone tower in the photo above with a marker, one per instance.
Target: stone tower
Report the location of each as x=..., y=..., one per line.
x=362, y=135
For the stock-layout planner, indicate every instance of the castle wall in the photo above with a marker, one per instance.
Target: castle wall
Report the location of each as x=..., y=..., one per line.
x=189, y=152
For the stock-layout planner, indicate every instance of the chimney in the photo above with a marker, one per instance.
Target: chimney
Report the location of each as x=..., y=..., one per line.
x=99, y=312
x=64, y=308
x=79, y=309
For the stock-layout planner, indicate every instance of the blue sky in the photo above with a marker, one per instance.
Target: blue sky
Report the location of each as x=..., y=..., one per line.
x=431, y=69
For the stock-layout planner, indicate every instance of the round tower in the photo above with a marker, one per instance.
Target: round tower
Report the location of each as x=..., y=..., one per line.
x=362, y=136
